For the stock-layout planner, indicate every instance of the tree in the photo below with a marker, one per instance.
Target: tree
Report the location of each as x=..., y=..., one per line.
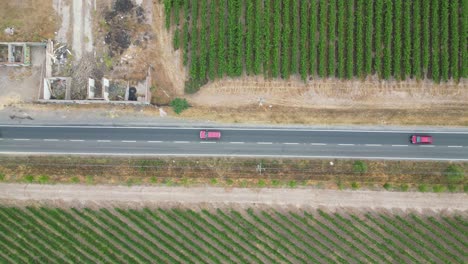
x=179, y=105
x=359, y=167
x=454, y=173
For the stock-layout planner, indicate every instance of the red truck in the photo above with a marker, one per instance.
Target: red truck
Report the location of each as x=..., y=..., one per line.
x=210, y=134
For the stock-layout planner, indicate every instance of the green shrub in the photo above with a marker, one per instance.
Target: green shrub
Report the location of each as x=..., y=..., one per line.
x=2, y=176
x=153, y=179
x=404, y=187
x=74, y=179
x=292, y=183
x=261, y=183
x=229, y=181
x=355, y=185
x=438, y=188
x=360, y=167
x=176, y=39
x=43, y=179
x=454, y=173
x=214, y=181
x=465, y=188
x=387, y=186
x=89, y=179
x=130, y=182
x=29, y=178
x=275, y=182
x=179, y=105
x=423, y=188
x=452, y=187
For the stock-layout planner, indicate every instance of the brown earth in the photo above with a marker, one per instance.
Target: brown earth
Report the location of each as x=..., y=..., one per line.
x=33, y=20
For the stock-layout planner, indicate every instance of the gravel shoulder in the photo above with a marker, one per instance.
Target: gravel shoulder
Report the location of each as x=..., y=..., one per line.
x=103, y=195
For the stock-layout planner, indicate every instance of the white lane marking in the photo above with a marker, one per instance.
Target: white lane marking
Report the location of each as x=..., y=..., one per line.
x=207, y=142
x=1, y=138
x=236, y=142
x=399, y=145
x=265, y=143
x=154, y=141
x=103, y=141
x=455, y=146
x=223, y=155
x=128, y=141
x=21, y=139
x=318, y=144
x=427, y=146
x=346, y=144
x=250, y=129
x=181, y=142
x=373, y=145
x=291, y=143
x=76, y=140
x=51, y=139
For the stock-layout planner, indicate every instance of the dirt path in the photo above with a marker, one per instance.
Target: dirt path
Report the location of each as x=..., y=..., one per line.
x=104, y=195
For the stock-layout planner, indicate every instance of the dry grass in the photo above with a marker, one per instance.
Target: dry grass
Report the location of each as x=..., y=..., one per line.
x=33, y=20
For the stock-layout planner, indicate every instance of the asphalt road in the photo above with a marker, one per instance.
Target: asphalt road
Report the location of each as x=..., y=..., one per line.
x=183, y=141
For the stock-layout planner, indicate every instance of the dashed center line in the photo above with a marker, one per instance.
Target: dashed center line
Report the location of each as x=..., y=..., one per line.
x=318, y=144
x=103, y=141
x=154, y=141
x=455, y=146
x=346, y=144
x=291, y=143
x=21, y=139
x=373, y=145
x=181, y=142
x=236, y=142
x=265, y=143
x=51, y=139
x=399, y=145
x=76, y=140
x=128, y=141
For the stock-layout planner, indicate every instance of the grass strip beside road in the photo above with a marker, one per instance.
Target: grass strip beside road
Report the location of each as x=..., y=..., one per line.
x=238, y=172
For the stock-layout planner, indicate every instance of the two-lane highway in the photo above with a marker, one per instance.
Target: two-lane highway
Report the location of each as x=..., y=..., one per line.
x=184, y=141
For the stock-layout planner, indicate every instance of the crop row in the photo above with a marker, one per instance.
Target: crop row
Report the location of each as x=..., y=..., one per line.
x=326, y=38
x=146, y=235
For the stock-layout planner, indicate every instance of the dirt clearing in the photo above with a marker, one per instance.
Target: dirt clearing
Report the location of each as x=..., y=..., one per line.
x=297, y=197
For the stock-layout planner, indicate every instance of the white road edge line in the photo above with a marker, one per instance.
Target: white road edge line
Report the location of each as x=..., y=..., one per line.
x=103, y=141
x=346, y=144
x=154, y=141
x=455, y=146
x=207, y=142
x=373, y=145
x=128, y=141
x=236, y=142
x=76, y=140
x=21, y=139
x=181, y=142
x=265, y=143
x=399, y=145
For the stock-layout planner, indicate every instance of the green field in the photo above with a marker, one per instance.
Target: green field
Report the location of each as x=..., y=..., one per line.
x=394, y=39
x=256, y=235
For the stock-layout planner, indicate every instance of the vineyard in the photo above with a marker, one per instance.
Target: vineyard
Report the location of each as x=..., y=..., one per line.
x=392, y=39
x=210, y=235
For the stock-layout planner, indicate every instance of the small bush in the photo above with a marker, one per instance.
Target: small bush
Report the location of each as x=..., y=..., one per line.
x=214, y=181
x=404, y=187
x=2, y=176
x=452, y=187
x=130, y=182
x=229, y=181
x=168, y=182
x=438, y=188
x=454, y=173
x=387, y=186
x=355, y=185
x=74, y=179
x=261, y=183
x=43, y=179
x=179, y=105
x=185, y=181
x=423, y=188
x=275, y=183
x=153, y=180
x=292, y=184
x=244, y=184
x=359, y=167
x=29, y=178
x=89, y=179
x=465, y=188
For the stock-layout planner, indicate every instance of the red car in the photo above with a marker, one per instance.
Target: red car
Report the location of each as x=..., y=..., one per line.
x=209, y=134
x=421, y=139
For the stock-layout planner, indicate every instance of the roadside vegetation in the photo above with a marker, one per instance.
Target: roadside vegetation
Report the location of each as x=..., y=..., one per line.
x=232, y=172
x=392, y=39
x=225, y=235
